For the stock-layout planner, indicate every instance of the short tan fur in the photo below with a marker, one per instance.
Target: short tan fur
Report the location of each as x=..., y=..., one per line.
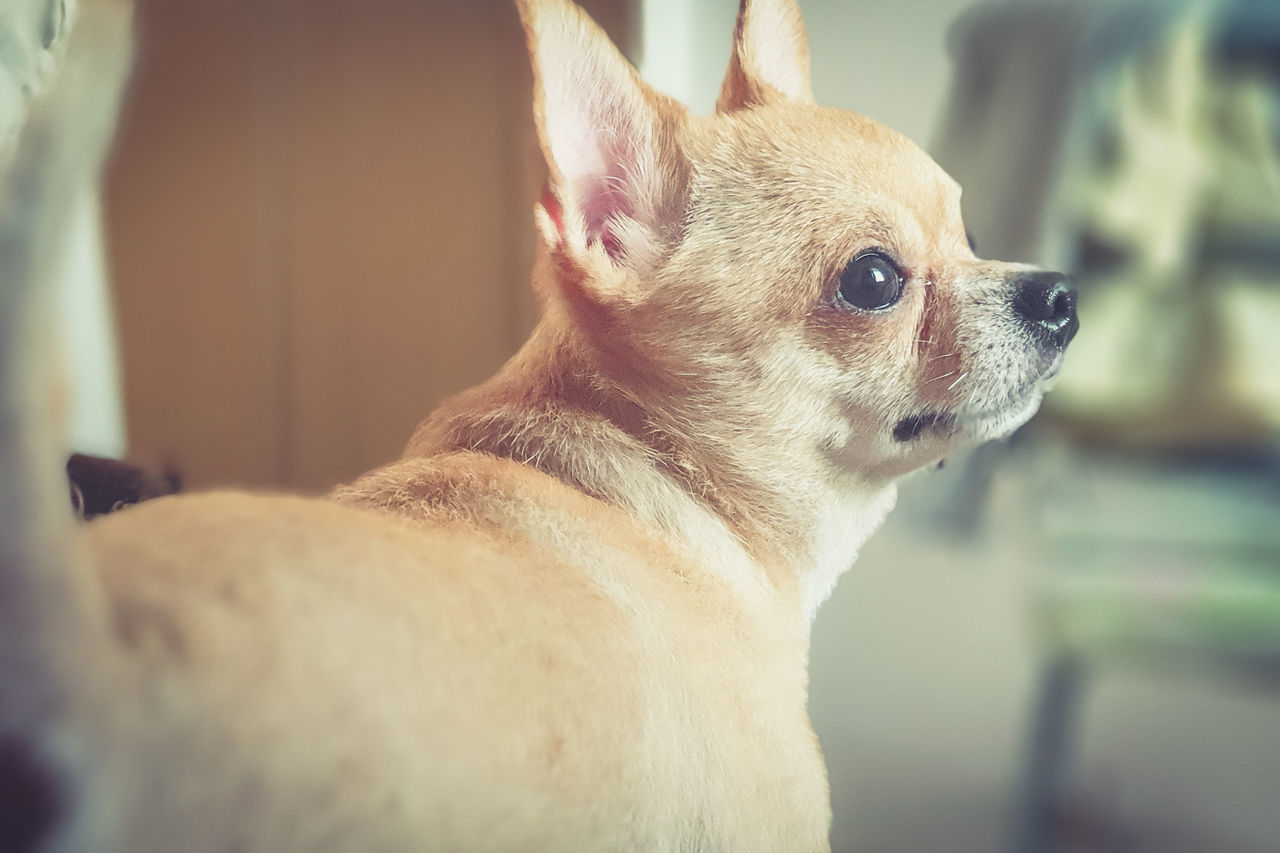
x=575, y=615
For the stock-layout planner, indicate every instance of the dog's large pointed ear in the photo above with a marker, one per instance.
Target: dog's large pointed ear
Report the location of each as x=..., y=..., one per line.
x=770, y=59
x=616, y=182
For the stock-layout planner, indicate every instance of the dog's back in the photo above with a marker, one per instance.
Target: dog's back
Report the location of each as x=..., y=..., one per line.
x=167, y=679
x=502, y=686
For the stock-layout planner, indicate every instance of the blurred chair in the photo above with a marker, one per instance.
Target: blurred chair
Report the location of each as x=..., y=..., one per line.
x=1165, y=564
x=1134, y=144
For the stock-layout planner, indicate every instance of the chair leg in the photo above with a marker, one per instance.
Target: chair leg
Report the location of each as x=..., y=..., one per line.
x=1047, y=756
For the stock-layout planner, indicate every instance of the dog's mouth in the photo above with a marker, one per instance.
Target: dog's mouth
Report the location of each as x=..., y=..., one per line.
x=1049, y=372
x=972, y=426
x=984, y=423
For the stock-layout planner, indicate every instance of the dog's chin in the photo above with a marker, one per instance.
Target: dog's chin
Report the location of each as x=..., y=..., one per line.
x=979, y=426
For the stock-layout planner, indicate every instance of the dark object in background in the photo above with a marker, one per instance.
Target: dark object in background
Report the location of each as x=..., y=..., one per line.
x=100, y=485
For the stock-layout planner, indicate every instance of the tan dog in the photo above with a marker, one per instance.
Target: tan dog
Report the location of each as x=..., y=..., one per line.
x=575, y=615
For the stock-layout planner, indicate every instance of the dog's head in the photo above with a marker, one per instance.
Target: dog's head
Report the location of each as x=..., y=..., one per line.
x=781, y=274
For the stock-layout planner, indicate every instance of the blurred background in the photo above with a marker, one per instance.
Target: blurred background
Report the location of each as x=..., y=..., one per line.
x=317, y=224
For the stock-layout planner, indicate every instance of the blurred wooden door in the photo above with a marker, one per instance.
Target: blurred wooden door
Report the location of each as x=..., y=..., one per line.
x=319, y=224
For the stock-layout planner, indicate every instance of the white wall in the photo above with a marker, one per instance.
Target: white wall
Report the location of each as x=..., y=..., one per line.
x=884, y=59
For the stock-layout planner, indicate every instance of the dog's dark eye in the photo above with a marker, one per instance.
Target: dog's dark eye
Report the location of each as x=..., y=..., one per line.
x=870, y=282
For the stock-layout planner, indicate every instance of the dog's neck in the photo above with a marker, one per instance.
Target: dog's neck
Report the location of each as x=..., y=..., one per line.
x=743, y=508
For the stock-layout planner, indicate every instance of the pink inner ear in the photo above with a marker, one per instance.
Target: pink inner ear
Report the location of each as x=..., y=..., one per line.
x=597, y=157
x=603, y=201
x=597, y=219
x=551, y=205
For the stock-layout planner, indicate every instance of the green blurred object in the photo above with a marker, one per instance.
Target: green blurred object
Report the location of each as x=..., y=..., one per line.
x=1168, y=613
x=1171, y=560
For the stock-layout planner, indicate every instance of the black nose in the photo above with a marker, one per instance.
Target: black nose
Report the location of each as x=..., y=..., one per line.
x=1048, y=306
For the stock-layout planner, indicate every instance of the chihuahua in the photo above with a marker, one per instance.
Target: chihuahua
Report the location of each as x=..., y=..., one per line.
x=575, y=615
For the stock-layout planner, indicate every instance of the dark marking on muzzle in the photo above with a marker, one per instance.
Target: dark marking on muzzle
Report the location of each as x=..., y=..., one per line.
x=910, y=427
x=31, y=801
